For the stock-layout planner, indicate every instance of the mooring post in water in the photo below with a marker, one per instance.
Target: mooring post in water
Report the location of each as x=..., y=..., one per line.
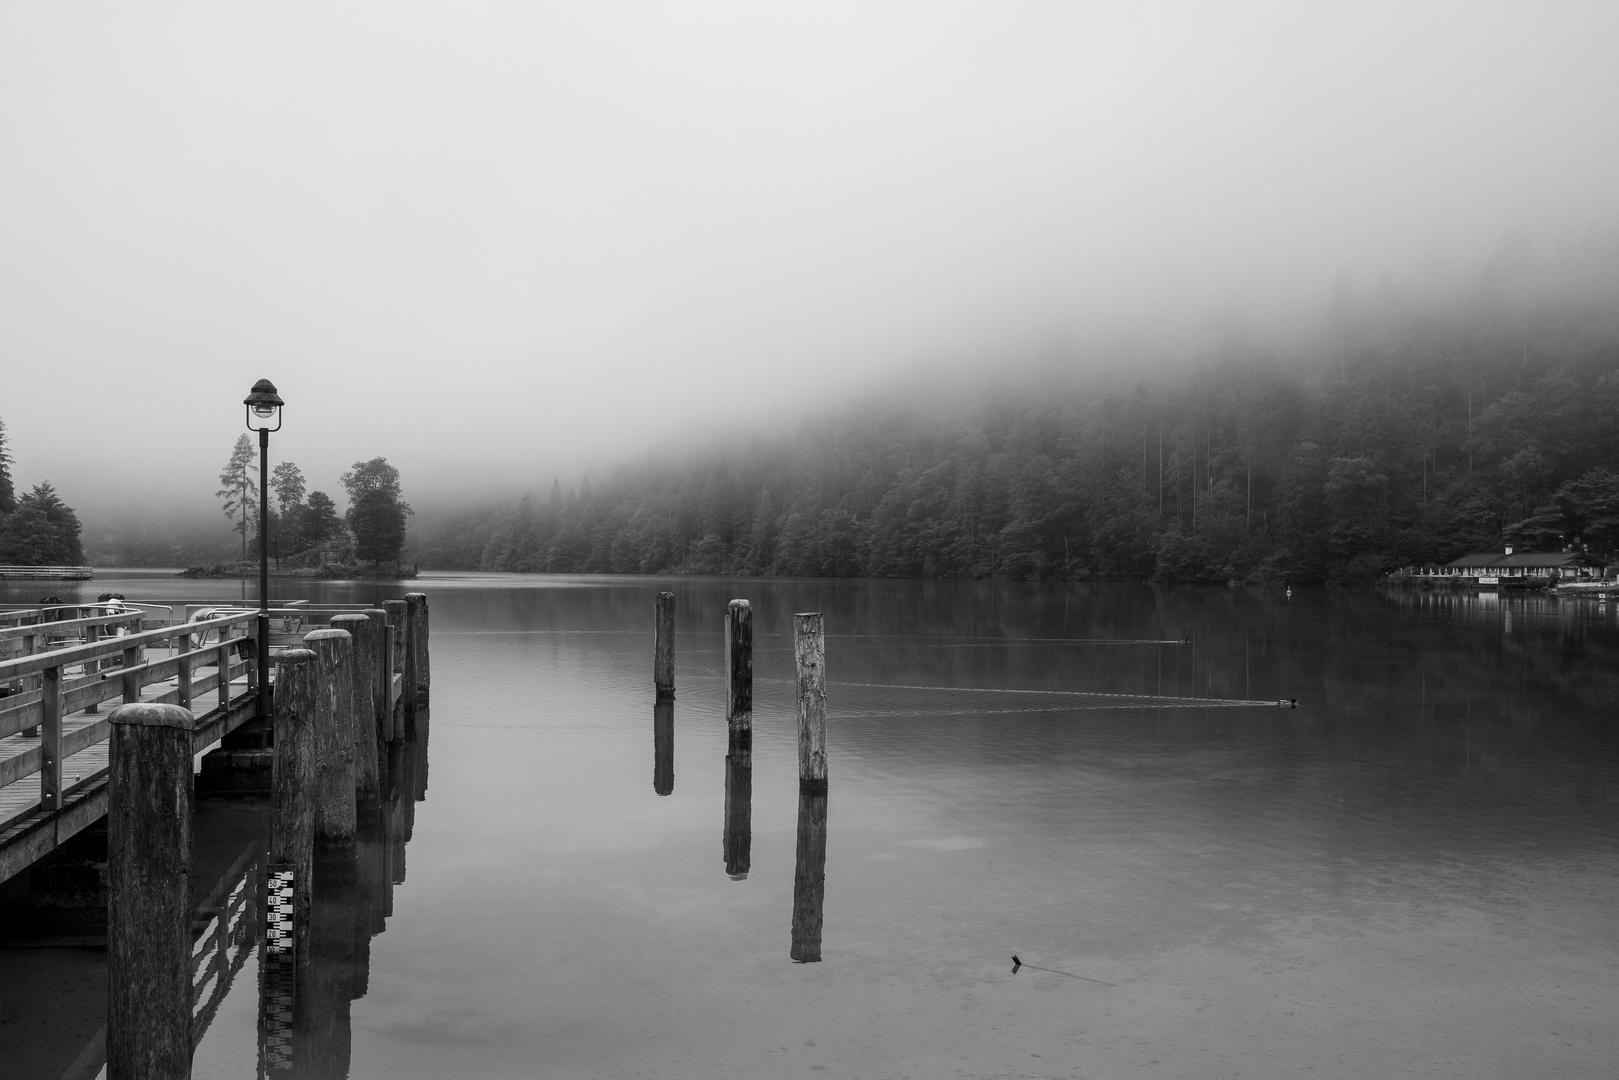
x=809, y=652
x=395, y=610
x=149, y=893
x=293, y=789
x=416, y=612
x=663, y=745
x=809, y=875
x=663, y=651
x=381, y=673
x=362, y=673
x=334, y=739
x=739, y=665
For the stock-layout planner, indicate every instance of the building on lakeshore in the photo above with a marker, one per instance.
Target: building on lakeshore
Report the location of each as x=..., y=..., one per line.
x=1509, y=568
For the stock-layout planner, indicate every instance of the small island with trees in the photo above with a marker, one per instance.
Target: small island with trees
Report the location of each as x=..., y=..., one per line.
x=308, y=537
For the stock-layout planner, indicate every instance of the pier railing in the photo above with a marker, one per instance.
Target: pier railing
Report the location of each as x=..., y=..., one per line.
x=59, y=681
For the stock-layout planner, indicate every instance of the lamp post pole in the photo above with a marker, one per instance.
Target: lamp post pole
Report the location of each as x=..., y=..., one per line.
x=264, y=573
x=263, y=406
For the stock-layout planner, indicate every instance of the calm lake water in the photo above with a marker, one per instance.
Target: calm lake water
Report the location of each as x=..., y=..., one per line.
x=1412, y=873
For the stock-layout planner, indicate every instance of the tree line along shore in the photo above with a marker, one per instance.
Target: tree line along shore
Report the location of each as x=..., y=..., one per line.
x=1402, y=433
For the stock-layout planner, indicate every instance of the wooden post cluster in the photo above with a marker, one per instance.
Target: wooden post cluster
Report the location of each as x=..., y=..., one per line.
x=663, y=650
x=809, y=654
x=295, y=781
x=363, y=672
x=334, y=739
x=149, y=887
x=739, y=665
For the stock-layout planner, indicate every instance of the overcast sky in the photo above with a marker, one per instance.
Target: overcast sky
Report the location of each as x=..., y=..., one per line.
x=503, y=240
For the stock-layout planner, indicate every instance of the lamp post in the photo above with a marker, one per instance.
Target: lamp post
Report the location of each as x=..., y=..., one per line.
x=264, y=406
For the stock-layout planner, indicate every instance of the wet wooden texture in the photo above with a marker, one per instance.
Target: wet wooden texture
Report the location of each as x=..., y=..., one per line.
x=149, y=897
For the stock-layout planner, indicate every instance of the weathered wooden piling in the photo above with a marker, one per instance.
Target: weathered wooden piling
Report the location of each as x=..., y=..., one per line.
x=382, y=675
x=334, y=739
x=416, y=617
x=399, y=623
x=295, y=781
x=809, y=652
x=407, y=683
x=663, y=651
x=738, y=838
x=363, y=672
x=663, y=745
x=149, y=905
x=809, y=873
x=739, y=665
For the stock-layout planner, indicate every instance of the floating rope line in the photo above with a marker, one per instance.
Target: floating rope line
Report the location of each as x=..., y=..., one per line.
x=1150, y=701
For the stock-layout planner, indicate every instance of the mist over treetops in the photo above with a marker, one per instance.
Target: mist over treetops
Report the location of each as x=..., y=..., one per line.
x=1403, y=426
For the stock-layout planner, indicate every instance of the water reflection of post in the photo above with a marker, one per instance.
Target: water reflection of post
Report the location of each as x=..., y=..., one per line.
x=738, y=841
x=809, y=875
x=663, y=745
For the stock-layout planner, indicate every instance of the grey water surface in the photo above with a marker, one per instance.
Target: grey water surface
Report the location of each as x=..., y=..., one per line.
x=1414, y=872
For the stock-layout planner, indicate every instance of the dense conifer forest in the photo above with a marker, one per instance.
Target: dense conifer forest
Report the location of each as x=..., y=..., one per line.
x=1396, y=431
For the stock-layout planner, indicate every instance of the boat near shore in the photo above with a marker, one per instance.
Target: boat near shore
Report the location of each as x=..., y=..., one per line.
x=1586, y=588
x=46, y=573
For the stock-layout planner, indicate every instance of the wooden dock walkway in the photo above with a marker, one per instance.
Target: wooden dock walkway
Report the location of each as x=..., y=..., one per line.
x=63, y=668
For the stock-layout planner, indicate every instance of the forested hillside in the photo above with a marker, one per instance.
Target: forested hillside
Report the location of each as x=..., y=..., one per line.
x=1396, y=431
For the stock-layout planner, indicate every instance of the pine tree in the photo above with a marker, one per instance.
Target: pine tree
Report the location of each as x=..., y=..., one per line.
x=8, y=494
x=237, y=486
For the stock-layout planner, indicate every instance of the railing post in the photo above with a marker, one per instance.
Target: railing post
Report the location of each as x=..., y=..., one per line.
x=29, y=645
x=362, y=673
x=182, y=674
x=50, y=739
x=663, y=649
x=334, y=739
x=739, y=665
x=416, y=610
x=223, y=659
x=92, y=634
x=149, y=885
x=132, y=679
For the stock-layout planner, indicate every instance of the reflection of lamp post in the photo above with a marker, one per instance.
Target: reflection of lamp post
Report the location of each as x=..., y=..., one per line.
x=263, y=406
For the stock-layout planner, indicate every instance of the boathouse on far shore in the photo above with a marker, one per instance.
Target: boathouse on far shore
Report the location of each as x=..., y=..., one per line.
x=1526, y=567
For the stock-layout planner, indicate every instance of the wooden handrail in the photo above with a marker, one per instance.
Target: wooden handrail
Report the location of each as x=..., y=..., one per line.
x=34, y=629
x=29, y=665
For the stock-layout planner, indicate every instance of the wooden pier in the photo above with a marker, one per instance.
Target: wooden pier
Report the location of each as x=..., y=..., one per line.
x=59, y=665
